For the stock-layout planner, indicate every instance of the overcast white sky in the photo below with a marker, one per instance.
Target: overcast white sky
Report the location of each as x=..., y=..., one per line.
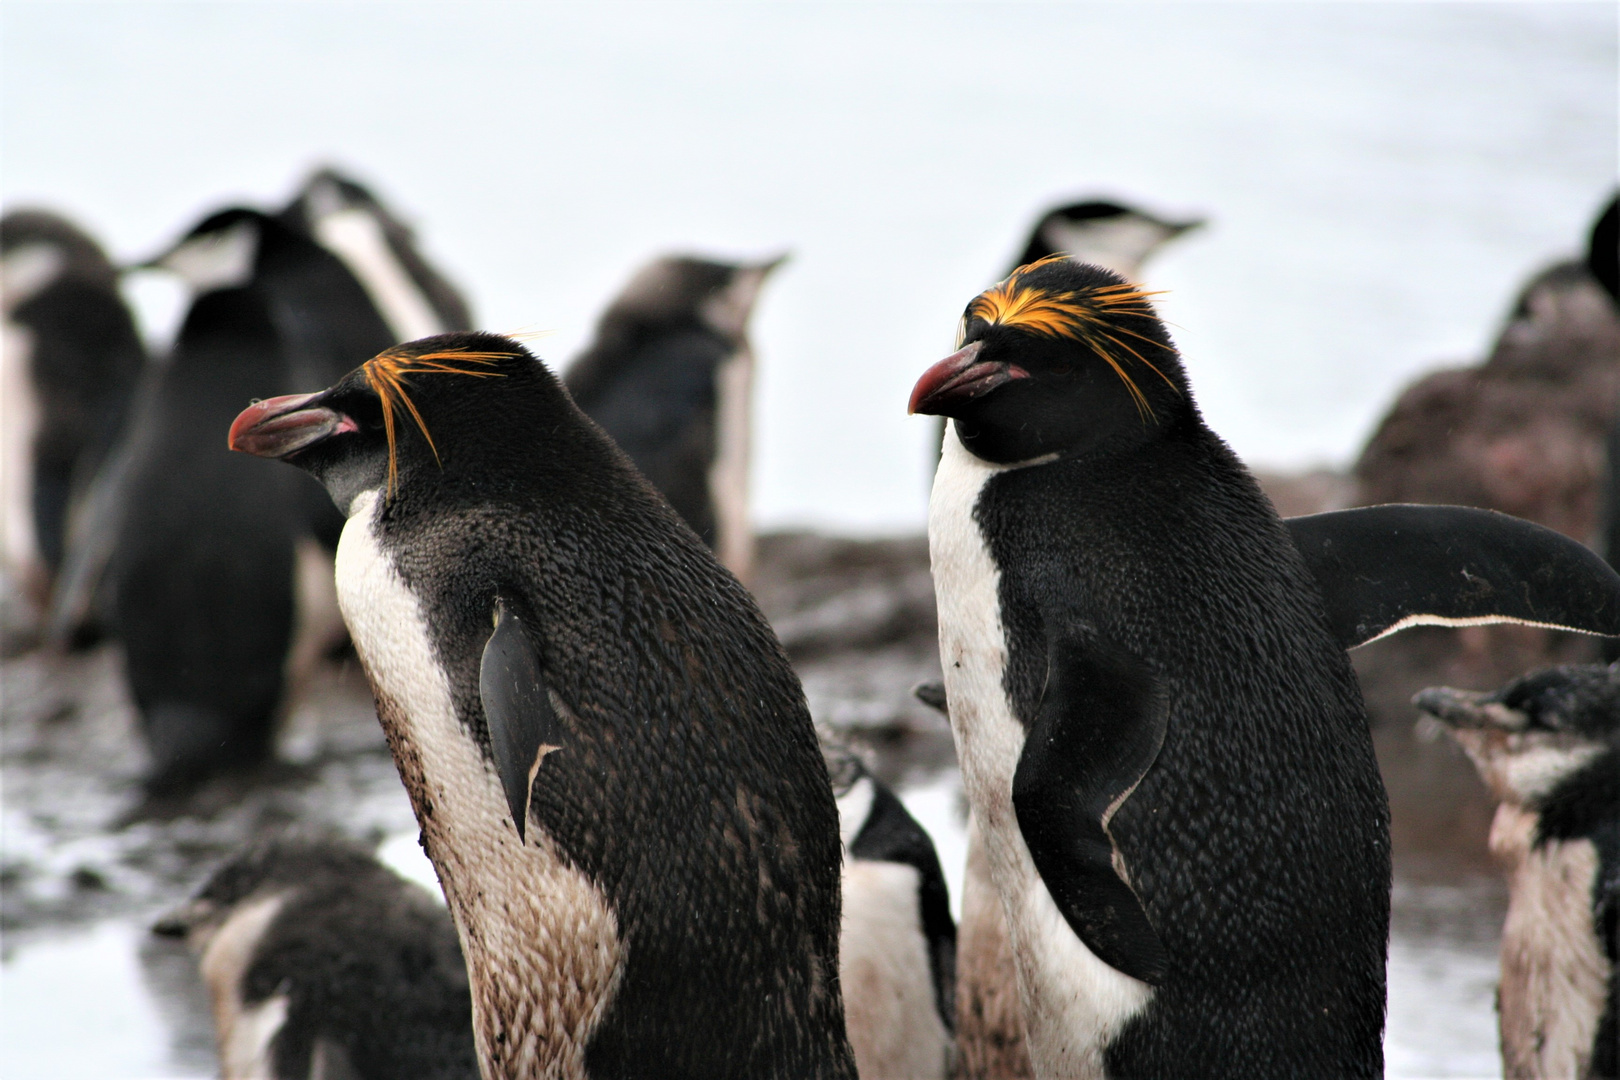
x=1380, y=177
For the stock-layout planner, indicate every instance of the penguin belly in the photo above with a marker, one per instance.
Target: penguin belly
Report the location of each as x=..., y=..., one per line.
x=1555, y=974
x=541, y=941
x=19, y=424
x=1074, y=1005
x=894, y=1026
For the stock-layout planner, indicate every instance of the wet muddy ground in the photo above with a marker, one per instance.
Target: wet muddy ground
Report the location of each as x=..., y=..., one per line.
x=86, y=991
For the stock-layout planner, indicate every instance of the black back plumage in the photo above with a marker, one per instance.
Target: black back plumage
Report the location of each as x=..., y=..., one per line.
x=649, y=380
x=1265, y=787
x=87, y=357
x=202, y=571
x=369, y=963
x=690, y=786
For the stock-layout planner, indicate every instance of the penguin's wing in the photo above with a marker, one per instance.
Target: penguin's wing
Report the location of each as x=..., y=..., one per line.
x=523, y=727
x=1099, y=728
x=1384, y=568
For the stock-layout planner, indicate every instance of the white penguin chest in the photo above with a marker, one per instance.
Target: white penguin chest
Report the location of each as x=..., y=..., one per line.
x=1073, y=1003
x=542, y=945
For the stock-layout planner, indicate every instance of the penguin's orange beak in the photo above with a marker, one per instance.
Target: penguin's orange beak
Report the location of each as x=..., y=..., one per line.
x=281, y=426
x=960, y=377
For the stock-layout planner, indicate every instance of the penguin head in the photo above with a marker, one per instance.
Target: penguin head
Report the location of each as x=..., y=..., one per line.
x=1061, y=358
x=1107, y=234
x=39, y=248
x=266, y=868
x=461, y=408
x=680, y=289
x=1528, y=738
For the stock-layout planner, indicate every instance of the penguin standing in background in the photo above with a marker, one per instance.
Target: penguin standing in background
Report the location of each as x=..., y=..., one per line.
x=1107, y=234
x=612, y=762
x=1160, y=734
x=670, y=379
x=323, y=964
x=208, y=553
x=897, y=947
x=72, y=358
x=1548, y=747
x=348, y=220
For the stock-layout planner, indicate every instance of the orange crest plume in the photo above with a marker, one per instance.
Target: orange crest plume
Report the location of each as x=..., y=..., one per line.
x=385, y=374
x=1088, y=315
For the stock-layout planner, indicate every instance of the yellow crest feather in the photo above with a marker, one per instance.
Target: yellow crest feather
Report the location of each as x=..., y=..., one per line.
x=386, y=375
x=1086, y=315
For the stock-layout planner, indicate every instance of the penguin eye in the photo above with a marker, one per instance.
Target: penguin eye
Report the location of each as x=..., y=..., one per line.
x=1062, y=368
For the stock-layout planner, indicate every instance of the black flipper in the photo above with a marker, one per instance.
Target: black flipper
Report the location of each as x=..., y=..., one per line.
x=1100, y=725
x=522, y=725
x=1385, y=568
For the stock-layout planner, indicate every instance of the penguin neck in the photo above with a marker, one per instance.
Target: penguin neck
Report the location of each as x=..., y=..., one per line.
x=543, y=950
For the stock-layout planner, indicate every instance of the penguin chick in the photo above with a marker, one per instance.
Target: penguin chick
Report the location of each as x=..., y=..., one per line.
x=346, y=218
x=897, y=947
x=1106, y=234
x=322, y=963
x=212, y=554
x=1548, y=747
x=611, y=760
x=670, y=379
x=71, y=359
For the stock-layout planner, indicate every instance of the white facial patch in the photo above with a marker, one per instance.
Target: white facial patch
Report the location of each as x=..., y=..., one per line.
x=222, y=259
x=357, y=237
x=28, y=270
x=541, y=941
x=727, y=311
x=1120, y=243
x=1073, y=1003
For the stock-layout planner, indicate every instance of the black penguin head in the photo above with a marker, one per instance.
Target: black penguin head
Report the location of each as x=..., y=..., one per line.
x=681, y=290
x=269, y=867
x=466, y=408
x=1107, y=234
x=1529, y=738
x=39, y=248
x=1061, y=358
x=230, y=248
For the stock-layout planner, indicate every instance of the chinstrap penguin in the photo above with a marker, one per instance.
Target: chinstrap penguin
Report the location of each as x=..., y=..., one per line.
x=325, y=323
x=897, y=948
x=323, y=964
x=215, y=570
x=1160, y=734
x=1103, y=233
x=670, y=379
x=71, y=360
x=611, y=760
x=347, y=219
x=1548, y=747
